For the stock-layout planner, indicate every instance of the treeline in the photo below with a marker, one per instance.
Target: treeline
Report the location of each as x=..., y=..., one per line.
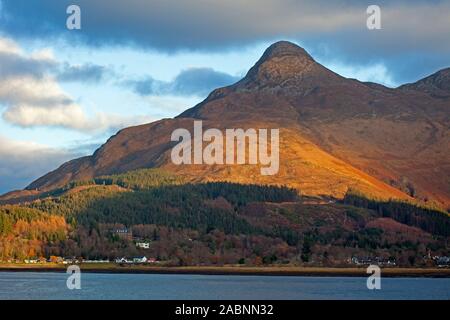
x=182, y=206
x=140, y=179
x=428, y=219
x=146, y=179
x=27, y=232
x=9, y=215
x=241, y=194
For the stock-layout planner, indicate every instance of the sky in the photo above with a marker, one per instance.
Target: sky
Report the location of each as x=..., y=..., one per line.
x=65, y=92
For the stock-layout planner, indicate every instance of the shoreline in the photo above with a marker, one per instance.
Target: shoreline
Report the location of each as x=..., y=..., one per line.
x=237, y=270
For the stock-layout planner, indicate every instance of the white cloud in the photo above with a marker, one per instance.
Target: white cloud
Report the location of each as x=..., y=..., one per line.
x=171, y=105
x=29, y=90
x=69, y=116
x=33, y=97
x=44, y=54
x=378, y=73
x=9, y=46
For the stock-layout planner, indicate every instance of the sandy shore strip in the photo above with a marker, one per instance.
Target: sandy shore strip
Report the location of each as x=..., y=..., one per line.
x=232, y=270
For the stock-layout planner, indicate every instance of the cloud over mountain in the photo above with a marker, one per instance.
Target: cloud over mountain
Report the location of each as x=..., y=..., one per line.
x=409, y=28
x=21, y=161
x=193, y=81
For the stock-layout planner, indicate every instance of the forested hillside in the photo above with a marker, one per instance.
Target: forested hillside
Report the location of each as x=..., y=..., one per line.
x=215, y=223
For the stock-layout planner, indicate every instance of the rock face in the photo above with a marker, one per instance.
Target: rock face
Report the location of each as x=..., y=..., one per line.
x=336, y=133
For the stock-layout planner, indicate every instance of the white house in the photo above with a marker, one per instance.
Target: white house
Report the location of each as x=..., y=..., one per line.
x=140, y=260
x=143, y=245
x=122, y=260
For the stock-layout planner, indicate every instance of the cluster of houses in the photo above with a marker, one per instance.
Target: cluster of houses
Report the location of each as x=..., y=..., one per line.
x=136, y=260
x=365, y=261
x=51, y=260
x=34, y=261
x=441, y=262
x=121, y=233
x=60, y=260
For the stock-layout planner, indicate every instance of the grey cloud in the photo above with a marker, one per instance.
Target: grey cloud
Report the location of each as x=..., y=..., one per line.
x=193, y=81
x=83, y=73
x=144, y=87
x=171, y=24
x=201, y=81
x=22, y=162
x=411, y=30
x=15, y=65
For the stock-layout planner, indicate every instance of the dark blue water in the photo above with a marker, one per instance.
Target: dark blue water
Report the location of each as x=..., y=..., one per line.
x=39, y=285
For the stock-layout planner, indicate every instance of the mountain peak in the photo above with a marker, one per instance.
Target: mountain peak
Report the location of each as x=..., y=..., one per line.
x=284, y=48
x=285, y=65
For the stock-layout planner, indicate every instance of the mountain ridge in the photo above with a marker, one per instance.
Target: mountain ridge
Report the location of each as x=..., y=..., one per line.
x=388, y=141
x=436, y=84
